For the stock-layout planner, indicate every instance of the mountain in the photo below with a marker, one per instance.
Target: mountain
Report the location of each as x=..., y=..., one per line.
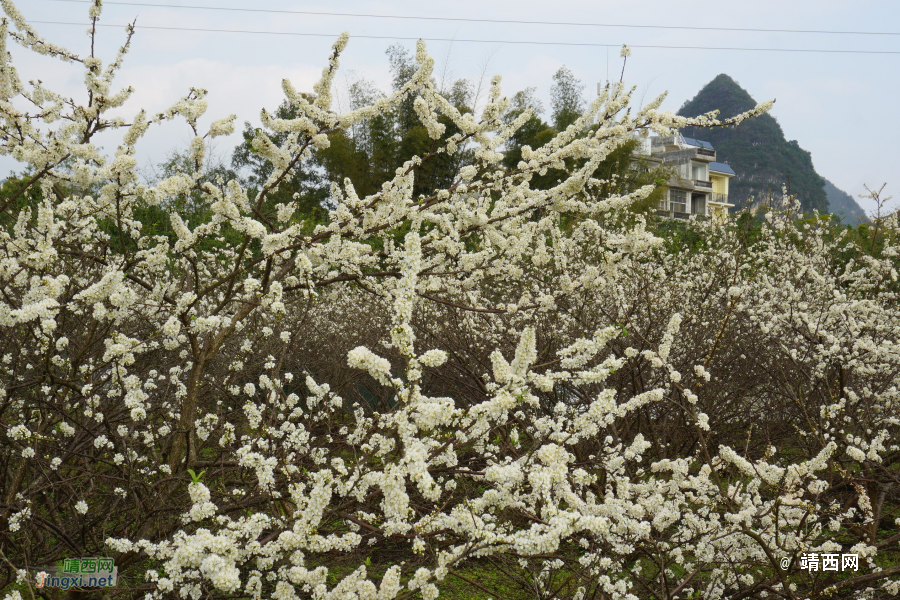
x=844, y=206
x=756, y=149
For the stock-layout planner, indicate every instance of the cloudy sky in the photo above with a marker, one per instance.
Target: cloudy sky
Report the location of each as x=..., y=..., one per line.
x=842, y=107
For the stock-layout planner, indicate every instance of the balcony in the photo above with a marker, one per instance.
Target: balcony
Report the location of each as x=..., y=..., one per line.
x=719, y=198
x=699, y=183
x=669, y=140
x=706, y=152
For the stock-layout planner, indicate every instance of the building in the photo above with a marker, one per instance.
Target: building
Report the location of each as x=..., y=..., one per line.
x=698, y=185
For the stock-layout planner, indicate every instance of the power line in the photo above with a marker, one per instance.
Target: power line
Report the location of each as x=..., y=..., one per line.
x=531, y=42
x=473, y=20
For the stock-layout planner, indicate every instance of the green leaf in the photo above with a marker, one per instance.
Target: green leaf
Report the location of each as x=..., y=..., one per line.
x=194, y=477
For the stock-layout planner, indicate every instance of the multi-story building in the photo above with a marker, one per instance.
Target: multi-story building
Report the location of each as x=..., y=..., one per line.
x=698, y=185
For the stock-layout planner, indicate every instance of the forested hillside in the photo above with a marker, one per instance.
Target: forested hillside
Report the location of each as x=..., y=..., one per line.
x=757, y=150
x=844, y=206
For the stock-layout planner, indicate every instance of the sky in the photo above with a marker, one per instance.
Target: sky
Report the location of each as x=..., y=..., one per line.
x=841, y=107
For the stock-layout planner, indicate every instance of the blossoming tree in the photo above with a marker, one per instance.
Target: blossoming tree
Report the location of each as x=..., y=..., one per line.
x=262, y=406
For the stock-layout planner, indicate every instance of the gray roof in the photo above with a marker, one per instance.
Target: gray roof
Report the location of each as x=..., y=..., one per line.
x=721, y=168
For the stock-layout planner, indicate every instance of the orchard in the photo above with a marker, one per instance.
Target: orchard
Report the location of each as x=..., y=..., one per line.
x=465, y=382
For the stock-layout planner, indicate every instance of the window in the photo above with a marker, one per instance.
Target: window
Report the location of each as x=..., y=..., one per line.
x=698, y=204
x=699, y=172
x=678, y=201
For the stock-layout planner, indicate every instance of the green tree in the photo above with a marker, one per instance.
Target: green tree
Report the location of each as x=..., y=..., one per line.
x=621, y=172
x=372, y=150
x=16, y=196
x=566, y=98
x=534, y=133
x=306, y=183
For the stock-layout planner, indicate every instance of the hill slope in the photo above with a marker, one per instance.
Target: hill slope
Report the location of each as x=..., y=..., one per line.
x=757, y=150
x=843, y=205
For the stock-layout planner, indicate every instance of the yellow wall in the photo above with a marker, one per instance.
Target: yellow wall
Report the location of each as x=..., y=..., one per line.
x=719, y=183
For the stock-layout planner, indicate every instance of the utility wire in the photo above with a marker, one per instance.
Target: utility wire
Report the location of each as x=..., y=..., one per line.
x=473, y=20
x=531, y=42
